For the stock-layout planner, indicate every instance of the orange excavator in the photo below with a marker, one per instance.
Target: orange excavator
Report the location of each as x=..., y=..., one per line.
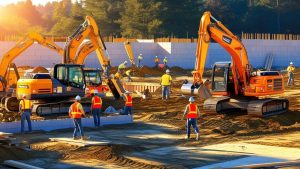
x=78, y=47
x=9, y=74
x=235, y=86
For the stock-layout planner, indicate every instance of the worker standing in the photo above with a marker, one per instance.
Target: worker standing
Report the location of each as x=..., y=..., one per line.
x=290, y=70
x=25, y=107
x=166, y=81
x=128, y=103
x=156, y=61
x=122, y=67
x=96, y=107
x=140, y=58
x=76, y=112
x=128, y=74
x=165, y=61
x=192, y=113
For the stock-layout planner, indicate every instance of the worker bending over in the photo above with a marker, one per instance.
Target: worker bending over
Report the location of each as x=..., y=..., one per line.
x=76, y=112
x=290, y=70
x=128, y=74
x=122, y=67
x=140, y=58
x=128, y=103
x=166, y=81
x=192, y=113
x=25, y=107
x=96, y=107
x=156, y=61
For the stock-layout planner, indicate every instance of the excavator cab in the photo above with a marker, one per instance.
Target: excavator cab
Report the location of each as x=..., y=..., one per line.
x=222, y=80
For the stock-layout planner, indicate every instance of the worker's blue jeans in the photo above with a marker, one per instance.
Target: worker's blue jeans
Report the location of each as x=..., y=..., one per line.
x=291, y=79
x=165, y=92
x=78, y=127
x=139, y=63
x=26, y=116
x=189, y=122
x=96, y=115
x=128, y=110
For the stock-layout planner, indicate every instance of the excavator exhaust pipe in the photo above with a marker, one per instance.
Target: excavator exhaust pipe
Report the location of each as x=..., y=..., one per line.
x=201, y=90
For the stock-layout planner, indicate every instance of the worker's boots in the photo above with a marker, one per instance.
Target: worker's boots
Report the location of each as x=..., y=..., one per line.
x=197, y=136
x=85, y=138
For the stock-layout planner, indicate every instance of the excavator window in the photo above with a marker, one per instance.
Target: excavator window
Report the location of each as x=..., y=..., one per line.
x=220, y=75
x=76, y=77
x=61, y=75
x=93, y=77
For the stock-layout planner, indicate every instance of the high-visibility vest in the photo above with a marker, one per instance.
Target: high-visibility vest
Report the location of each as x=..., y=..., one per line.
x=75, y=110
x=128, y=101
x=165, y=60
x=25, y=104
x=156, y=60
x=291, y=69
x=192, y=111
x=97, y=102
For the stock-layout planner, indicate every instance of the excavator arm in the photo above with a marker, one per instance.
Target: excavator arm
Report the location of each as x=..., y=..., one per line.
x=220, y=34
x=129, y=52
x=20, y=47
x=88, y=29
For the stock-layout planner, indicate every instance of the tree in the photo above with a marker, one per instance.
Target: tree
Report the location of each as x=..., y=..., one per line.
x=140, y=18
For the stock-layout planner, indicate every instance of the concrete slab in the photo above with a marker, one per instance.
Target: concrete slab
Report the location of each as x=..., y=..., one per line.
x=80, y=143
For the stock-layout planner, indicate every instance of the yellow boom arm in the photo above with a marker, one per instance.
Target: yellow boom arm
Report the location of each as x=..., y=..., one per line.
x=129, y=52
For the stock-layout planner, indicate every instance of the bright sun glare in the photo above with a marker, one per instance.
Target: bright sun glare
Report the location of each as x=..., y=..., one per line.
x=35, y=2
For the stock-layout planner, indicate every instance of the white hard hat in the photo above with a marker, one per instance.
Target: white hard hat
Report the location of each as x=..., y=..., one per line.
x=291, y=63
x=141, y=54
x=167, y=71
x=125, y=61
x=95, y=91
x=191, y=99
x=24, y=96
x=127, y=92
x=77, y=98
x=156, y=56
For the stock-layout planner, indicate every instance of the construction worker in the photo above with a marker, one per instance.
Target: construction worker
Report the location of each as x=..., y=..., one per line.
x=156, y=61
x=25, y=107
x=166, y=81
x=140, y=58
x=122, y=67
x=96, y=107
x=165, y=61
x=128, y=103
x=192, y=113
x=128, y=74
x=76, y=112
x=118, y=75
x=290, y=69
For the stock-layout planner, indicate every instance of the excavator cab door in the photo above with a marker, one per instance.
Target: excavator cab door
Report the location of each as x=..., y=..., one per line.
x=222, y=82
x=71, y=75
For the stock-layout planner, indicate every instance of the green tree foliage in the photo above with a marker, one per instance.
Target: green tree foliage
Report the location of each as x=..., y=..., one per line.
x=140, y=19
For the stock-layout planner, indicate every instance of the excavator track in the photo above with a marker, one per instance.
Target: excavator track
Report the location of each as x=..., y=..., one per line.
x=56, y=108
x=254, y=106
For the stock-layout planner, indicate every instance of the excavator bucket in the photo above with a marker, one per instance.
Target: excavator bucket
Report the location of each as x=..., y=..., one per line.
x=115, y=87
x=202, y=91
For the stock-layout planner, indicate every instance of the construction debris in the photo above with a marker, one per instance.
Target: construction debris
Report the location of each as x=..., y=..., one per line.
x=8, y=139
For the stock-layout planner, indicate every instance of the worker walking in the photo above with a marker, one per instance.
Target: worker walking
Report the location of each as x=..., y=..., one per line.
x=192, y=113
x=140, y=58
x=165, y=61
x=166, y=81
x=128, y=74
x=290, y=69
x=76, y=112
x=128, y=103
x=156, y=61
x=25, y=107
x=96, y=107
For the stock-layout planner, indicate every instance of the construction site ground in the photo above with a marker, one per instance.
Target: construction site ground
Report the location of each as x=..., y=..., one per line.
x=156, y=138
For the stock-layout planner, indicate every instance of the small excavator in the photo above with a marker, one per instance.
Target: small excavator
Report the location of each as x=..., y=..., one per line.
x=78, y=48
x=235, y=86
x=9, y=74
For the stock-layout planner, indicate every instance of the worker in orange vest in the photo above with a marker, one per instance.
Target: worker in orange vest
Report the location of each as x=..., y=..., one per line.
x=76, y=112
x=156, y=61
x=128, y=103
x=25, y=107
x=192, y=113
x=96, y=107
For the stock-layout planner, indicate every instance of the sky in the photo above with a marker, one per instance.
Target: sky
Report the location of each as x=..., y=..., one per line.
x=35, y=2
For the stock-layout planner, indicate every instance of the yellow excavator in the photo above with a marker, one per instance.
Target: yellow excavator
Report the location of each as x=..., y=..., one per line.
x=9, y=74
x=235, y=86
x=78, y=47
x=129, y=51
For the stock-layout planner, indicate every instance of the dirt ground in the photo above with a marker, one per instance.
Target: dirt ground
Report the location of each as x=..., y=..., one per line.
x=164, y=116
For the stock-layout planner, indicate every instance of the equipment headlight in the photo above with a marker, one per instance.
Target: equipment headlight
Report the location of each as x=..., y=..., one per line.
x=23, y=86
